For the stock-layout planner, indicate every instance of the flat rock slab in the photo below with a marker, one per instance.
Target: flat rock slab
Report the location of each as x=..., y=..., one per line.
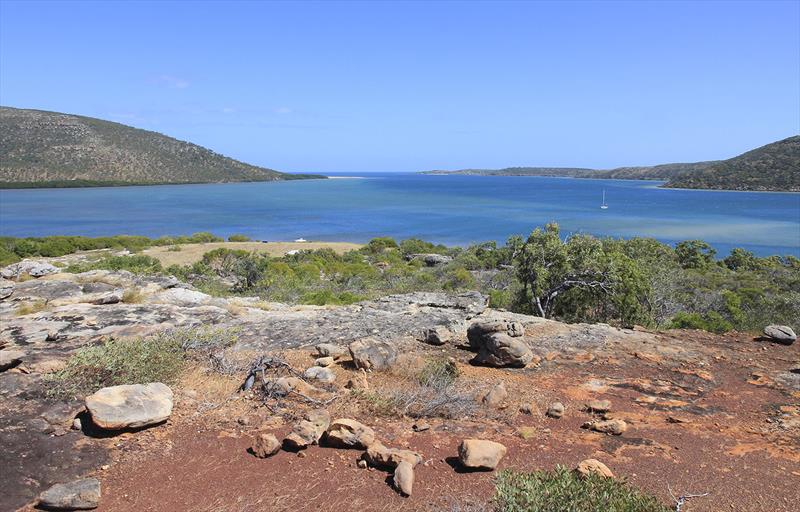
x=78, y=495
x=130, y=406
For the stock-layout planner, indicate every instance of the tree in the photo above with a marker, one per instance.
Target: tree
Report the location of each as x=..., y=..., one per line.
x=695, y=254
x=578, y=279
x=741, y=259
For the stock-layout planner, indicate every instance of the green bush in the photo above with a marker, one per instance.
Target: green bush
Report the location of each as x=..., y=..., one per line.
x=562, y=490
x=238, y=238
x=137, y=264
x=157, y=358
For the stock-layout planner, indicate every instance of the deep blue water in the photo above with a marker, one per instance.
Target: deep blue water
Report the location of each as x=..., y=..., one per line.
x=454, y=210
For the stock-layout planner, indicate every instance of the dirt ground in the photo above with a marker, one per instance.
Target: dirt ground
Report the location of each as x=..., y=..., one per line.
x=191, y=253
x=725, y=428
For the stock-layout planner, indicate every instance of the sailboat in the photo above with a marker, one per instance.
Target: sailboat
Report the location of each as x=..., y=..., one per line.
x=604, y=206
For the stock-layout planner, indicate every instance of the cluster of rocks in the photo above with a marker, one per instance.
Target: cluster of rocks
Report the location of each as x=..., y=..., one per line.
x=606, y=424
x=114, y=408
x=316, y=427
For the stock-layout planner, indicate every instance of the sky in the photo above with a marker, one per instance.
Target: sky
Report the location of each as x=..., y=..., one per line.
x=408, y=86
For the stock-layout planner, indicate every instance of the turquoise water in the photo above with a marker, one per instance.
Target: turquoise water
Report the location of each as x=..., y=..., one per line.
x=454, y=210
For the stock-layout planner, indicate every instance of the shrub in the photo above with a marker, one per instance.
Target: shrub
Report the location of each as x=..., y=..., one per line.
x=238, y=238
x=562, y=490
x=138, y=264
x=29, y=308
x=157, y=358
x=695, y=254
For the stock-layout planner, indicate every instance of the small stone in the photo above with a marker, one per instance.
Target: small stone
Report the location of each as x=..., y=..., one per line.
x=420, y=426
x=556, y=410
x=480, y=454
x=309, y=430
x=78, y=495
x=362, y=464
x=76, y=424
x=266, y=445
x=495, y=396
x=593, y=467
x=324, y=361
x=330, y=350
x=347, y=433
x=321, y=374
x=598, y=406
x=302, y=455
x=371, y=354
x=404, y=478
x=613, y=427
x=378, y=455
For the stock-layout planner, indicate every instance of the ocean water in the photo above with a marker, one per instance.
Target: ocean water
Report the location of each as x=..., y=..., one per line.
x=454, y=210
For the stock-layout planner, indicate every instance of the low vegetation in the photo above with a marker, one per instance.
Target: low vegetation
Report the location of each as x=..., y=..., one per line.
x=157, y=358
x=562, y=490
x=579, y=278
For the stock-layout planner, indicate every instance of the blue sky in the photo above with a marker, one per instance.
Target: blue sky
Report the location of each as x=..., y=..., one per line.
x=411, y=86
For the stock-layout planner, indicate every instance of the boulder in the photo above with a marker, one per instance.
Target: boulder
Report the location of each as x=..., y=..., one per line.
x=377, y=455
x=10, y=358
x=780, y=333
x=309, y=430
x=32, y=268
x=495, y=396
x=598, y=406
x=372, y=354
x=330, y=350
x=480, y=454
x=500, y=349
x=6, y=288
x=437, y=336
x=77, y=495
x=614, y=427
x=130, y=406
x=593, y=467
x=347, y=433
x=556, y=410
x=324, y=361
x=265, y=445
x=321, y=374
x=404, y=478
x=480, y=330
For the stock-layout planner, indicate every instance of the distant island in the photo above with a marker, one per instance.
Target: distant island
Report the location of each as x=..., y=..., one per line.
x=774, y=167
x=50, y=149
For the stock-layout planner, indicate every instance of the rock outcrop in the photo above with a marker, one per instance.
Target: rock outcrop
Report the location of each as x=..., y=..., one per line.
x=130, y=406
x=782, y=334
x=77, y=495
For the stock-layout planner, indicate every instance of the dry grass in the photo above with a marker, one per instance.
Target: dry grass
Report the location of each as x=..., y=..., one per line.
x=29, y=308
x=192, y=253
x=132, y=296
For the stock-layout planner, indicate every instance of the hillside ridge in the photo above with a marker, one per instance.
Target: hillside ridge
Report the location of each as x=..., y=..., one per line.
x=42, y=148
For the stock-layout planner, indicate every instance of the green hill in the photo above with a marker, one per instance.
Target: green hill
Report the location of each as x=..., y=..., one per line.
x=39, y=148
x=775, y=166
